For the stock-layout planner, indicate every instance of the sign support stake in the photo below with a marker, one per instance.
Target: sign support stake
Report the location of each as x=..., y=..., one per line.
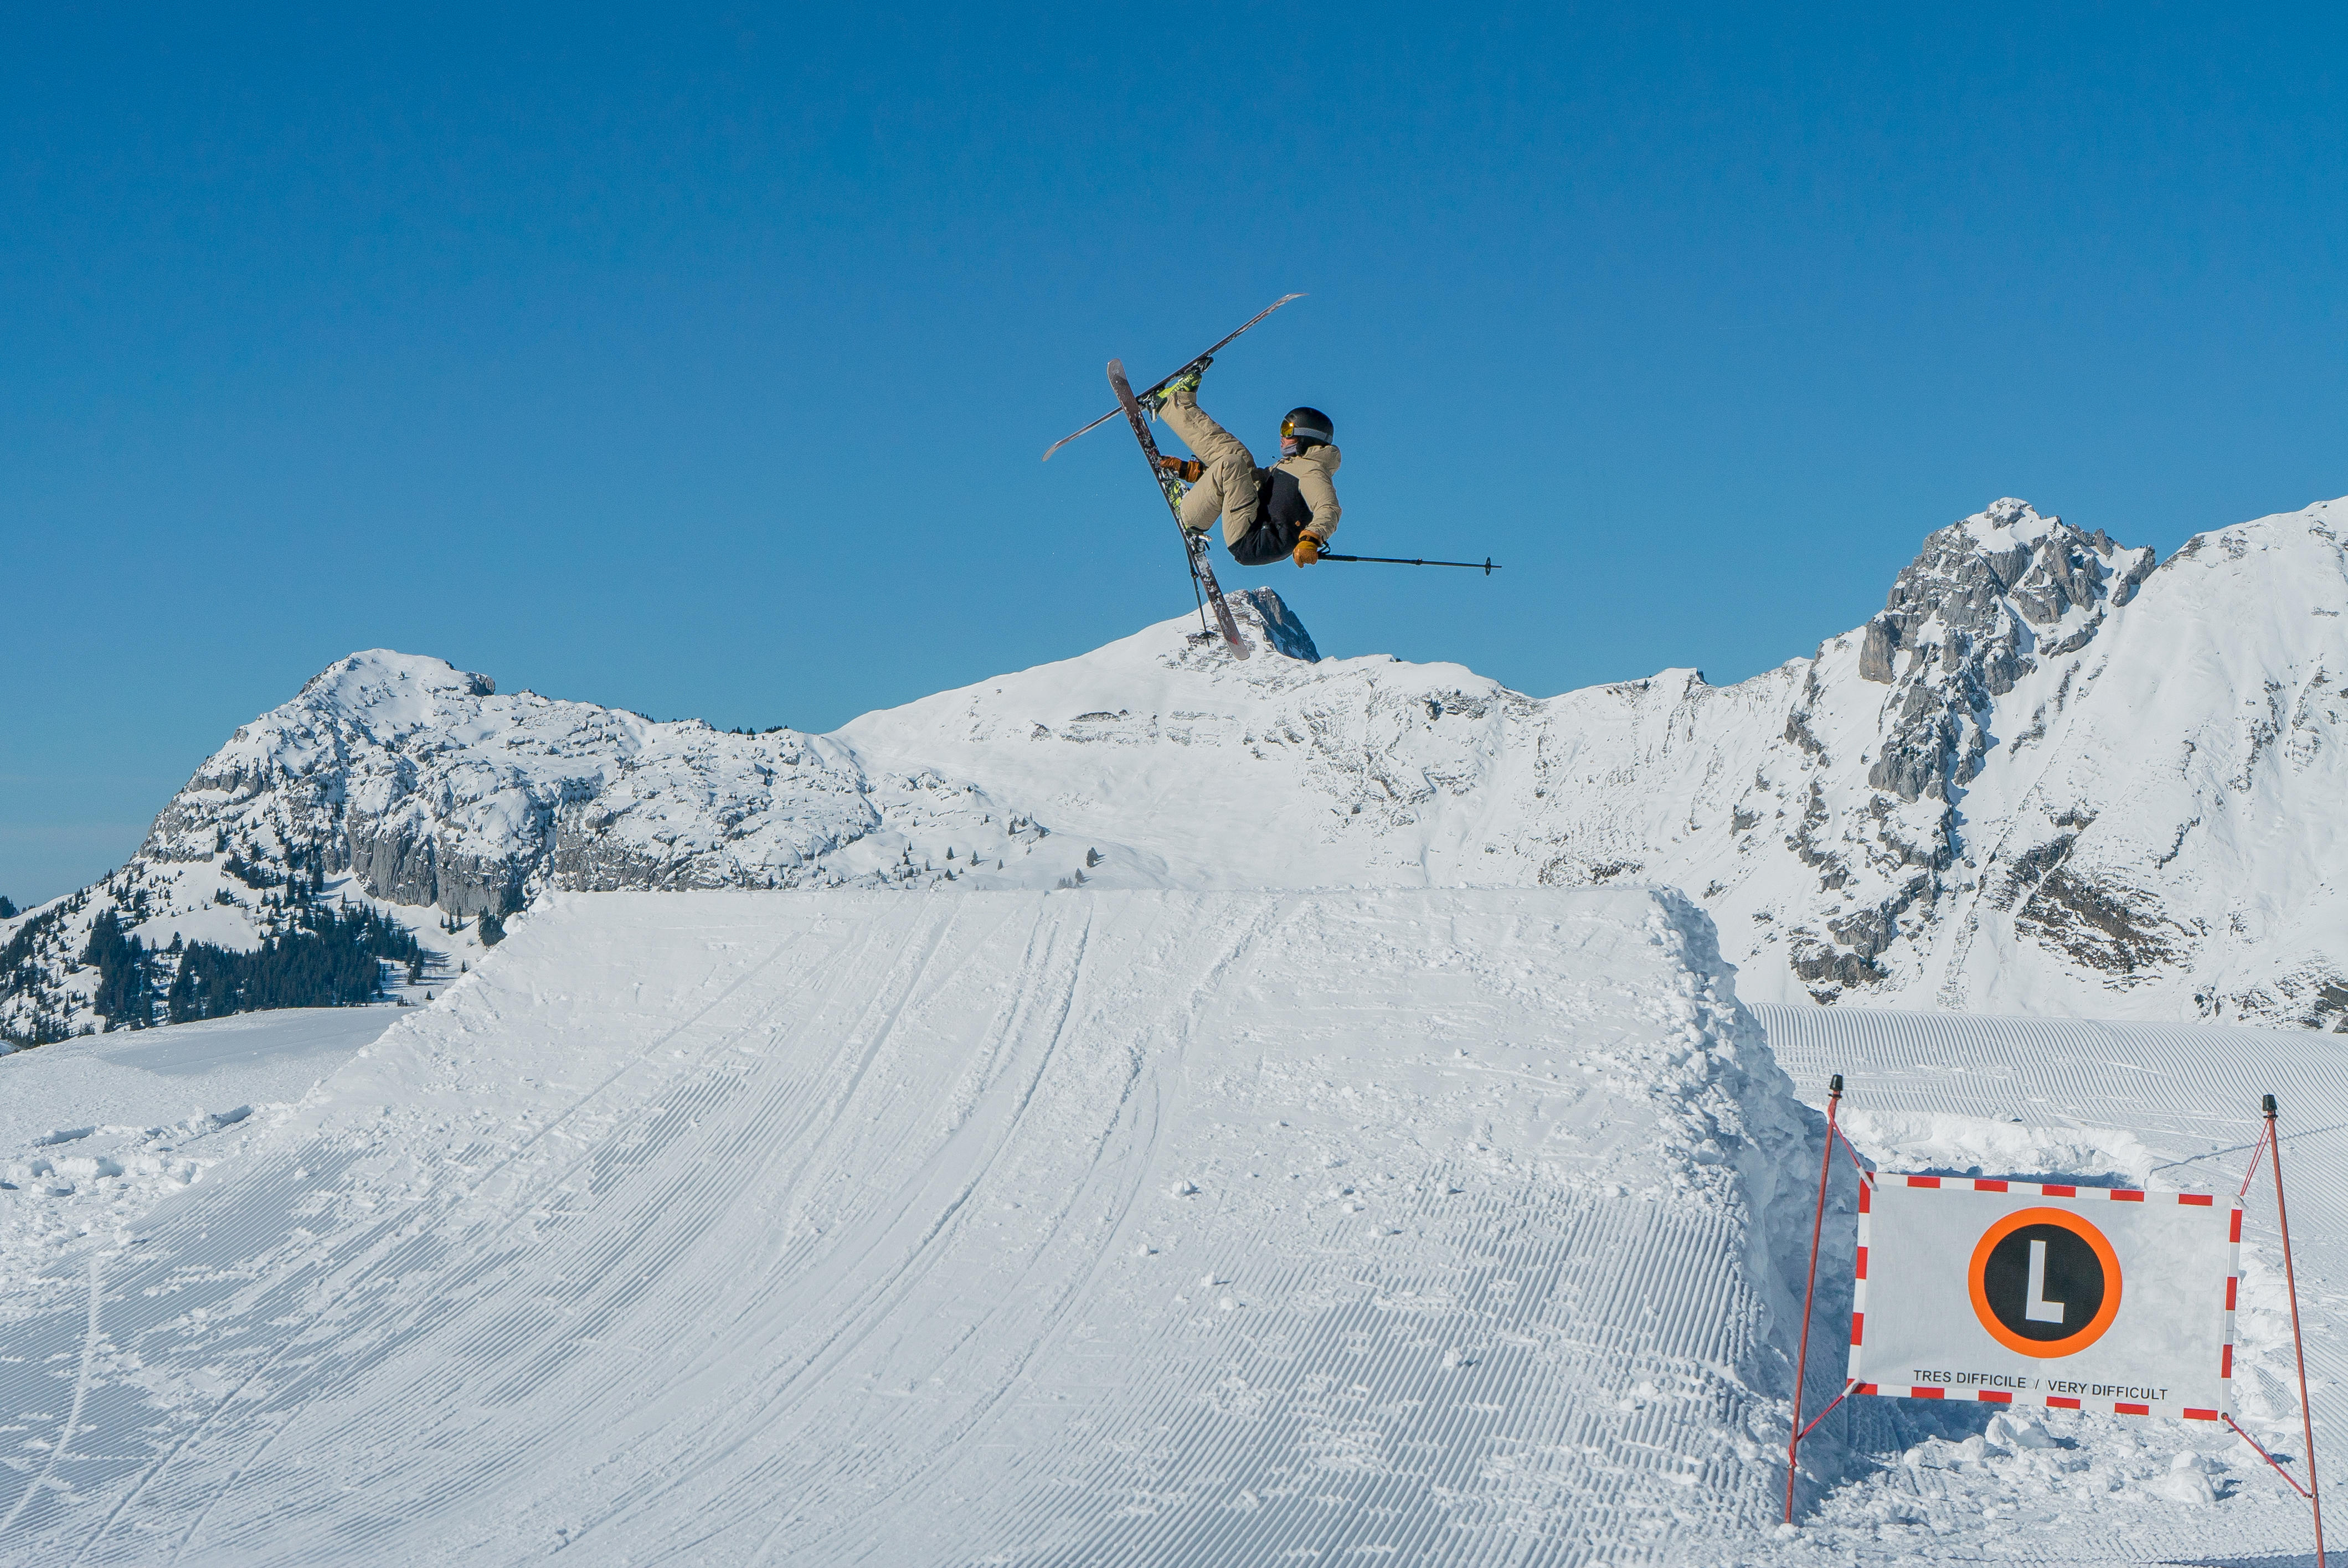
x=1796, y=1432
x=2289, y=1479
x=2313, y=1489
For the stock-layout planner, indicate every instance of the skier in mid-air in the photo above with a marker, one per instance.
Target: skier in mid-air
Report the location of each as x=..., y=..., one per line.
x=1288, y=510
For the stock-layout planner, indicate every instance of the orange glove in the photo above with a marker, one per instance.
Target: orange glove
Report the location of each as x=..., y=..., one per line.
x=1308, y=550
x=1188, y=468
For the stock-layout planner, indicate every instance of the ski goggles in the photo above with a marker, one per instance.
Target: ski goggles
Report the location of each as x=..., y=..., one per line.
x=1291, y=431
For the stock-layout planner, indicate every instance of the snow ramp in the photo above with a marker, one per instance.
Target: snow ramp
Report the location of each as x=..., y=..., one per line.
x=1073, y=1227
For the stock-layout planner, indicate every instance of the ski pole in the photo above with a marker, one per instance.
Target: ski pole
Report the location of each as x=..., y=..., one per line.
x=1484, y=566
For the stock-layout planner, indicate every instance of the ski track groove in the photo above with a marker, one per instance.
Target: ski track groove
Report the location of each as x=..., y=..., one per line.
x=873, y=1028
x=1252, y=934
x=877, y=1045
x=271, y=1189
x=1068, y=987
x=1049, y=983
x=80, y=1396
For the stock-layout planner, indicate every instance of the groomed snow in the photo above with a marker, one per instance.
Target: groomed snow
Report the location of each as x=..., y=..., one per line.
x=1084, y=1227
x=94, y=1133
x=1080, y=1227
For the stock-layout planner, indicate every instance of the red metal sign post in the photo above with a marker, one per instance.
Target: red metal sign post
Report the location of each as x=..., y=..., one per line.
x=2271, y=1145
x=1797, y=1432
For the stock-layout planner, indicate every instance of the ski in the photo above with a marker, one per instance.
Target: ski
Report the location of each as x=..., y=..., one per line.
x=1202, y=572
x=1194, y=365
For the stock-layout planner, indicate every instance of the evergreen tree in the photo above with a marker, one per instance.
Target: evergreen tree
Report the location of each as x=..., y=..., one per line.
x=323, y=957
x=7, y=910
x=124, y=994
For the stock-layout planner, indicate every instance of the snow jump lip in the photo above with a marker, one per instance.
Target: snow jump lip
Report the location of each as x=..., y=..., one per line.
x=832, y=1227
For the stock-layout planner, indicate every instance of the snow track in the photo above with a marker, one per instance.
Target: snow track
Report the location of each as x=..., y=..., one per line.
x=1018, y=1228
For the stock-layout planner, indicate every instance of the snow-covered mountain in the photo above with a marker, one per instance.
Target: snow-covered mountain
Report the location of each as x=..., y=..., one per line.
x=2047, y=777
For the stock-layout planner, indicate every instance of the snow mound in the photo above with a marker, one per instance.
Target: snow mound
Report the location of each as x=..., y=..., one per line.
x=1023, y=1226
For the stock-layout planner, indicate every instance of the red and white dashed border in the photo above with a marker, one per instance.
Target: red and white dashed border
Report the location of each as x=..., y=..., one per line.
x=2043, y=1190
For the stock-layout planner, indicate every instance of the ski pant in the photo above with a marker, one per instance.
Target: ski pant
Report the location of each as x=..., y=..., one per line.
x=1229, y=486
x=1266, y=543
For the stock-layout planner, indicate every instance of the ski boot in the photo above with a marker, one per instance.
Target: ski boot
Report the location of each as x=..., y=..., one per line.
x=1185, y=381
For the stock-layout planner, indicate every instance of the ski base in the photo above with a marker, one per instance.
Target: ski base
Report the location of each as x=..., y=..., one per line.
x=1202, y=572
x=1205, y=574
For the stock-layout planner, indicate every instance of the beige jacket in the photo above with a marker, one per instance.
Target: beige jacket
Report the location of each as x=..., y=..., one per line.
x=1314, y=471
x=1233, y=484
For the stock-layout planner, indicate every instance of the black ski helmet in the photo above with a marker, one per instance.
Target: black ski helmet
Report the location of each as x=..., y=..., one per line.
x=1306, y=427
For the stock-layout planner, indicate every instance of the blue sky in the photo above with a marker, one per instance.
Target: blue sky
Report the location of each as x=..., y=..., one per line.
x=697, y=360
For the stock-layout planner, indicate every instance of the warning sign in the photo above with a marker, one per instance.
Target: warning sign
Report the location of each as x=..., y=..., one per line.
x=2026, y=1254
x=2095, y=1298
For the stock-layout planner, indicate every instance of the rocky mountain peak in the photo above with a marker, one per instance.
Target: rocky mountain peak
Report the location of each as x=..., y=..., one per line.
x=1265, y=612
x=1991, y=583
x=1985, y=600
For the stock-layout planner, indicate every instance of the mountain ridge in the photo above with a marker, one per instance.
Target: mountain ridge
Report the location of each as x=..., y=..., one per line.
x=2050, y=775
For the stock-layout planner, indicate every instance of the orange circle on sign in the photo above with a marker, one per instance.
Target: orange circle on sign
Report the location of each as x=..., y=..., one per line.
x=2065, y=1219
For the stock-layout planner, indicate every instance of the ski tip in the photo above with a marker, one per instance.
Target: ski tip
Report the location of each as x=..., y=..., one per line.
x=1116, y=369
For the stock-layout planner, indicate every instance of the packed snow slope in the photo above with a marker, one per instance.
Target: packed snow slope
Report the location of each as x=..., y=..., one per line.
x=1020, y=1227
x=771, y=1207
x=2047, y=777
x=94, y=1133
